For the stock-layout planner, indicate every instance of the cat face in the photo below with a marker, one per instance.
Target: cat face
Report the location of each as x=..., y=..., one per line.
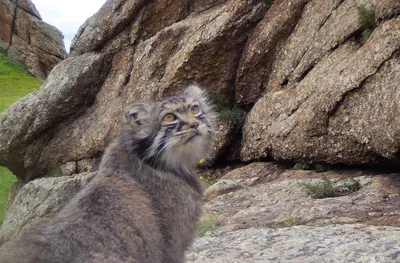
x=175, y=132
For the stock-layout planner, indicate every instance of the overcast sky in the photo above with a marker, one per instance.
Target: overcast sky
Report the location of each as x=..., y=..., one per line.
x=67, y=16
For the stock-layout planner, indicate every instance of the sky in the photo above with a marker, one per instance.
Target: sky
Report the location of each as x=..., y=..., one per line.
x=67, y=16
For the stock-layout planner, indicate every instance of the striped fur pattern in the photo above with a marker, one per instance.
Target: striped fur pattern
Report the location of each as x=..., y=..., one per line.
x=175, y=144
x=144, y=202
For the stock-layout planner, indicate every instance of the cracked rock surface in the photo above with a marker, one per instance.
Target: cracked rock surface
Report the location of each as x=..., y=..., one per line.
x=328, y=96
x=337, y=243
x=300, y=77
x=265, y=215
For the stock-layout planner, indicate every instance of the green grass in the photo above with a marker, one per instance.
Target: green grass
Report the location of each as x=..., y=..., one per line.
x=208, y=224
x=326, y=188
x=321, y=189
x=208, y=181
x=7, y=179
x=225, y=112
x=352, y=185
x=55, y=171
x=15, y=82
x=367, y=18
x=302, y=166
x=233, y=114
x=290, y=221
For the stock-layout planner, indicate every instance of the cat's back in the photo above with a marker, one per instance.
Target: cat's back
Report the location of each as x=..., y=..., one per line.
x=111, y=220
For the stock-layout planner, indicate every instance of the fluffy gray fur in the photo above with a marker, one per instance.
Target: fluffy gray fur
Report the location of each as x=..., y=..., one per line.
x=144, y=202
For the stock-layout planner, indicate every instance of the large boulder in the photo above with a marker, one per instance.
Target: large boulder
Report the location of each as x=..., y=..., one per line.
x=35, y=43
x=38, y=200
x=30, y=124
x=120, y=55
x=326, y=93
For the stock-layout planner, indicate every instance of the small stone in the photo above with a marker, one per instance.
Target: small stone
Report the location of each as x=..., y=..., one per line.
x=68, y=168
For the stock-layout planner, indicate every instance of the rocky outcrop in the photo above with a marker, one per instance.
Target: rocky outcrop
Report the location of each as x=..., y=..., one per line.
x=327, y=95
x=314, y=88
x=135, y=57
x=38, y=45
x=48, y=110
x=263, y=213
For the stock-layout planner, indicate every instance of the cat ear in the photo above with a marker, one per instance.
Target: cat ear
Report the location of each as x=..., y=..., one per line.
x=194, y=91
x=138, y=113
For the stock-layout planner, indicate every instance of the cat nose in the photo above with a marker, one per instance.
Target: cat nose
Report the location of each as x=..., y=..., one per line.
x=194, y=125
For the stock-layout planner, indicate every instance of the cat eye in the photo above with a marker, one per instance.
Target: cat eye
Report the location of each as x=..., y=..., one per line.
x=169, y=117
x=195, y=109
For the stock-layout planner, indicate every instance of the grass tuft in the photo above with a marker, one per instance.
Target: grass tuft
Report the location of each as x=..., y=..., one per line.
x=208, y=181
x=233, y=114
x=208, y=224
x=301, y=166
x=352, y=185
x=326, y=188
x=321, y=168
x=367, y=19
x=320, y=189
x=290, y=221
x=54, y=171
x=222, y=107
x=10, y=67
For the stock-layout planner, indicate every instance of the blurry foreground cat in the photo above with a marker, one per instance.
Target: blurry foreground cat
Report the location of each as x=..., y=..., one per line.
x=144, y=202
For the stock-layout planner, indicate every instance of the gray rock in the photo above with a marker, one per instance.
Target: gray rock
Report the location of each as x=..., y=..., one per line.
x=29, y=7
x=86, y=165
x=264, y=194
x=265, y=215
x=26, y=125
x=7, y=9
x=261, y=48
x=334, y=243
x=68, y=168
x=328, y=98
x=38, y=200
x=104, y=25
